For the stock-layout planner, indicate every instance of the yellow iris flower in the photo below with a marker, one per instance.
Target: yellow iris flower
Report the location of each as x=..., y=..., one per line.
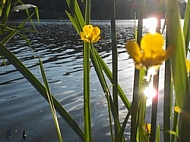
x=151, y=52
x=90, y=34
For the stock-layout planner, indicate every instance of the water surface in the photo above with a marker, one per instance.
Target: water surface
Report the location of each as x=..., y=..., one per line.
x=23, y=109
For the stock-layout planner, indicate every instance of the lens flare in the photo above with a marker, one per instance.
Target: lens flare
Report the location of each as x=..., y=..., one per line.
x=151, y=24
x=150, y=92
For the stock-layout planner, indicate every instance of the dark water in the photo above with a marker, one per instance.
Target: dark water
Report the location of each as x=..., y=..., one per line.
x=22, y=108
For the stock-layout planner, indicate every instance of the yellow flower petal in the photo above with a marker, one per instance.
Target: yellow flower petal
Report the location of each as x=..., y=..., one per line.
x=154, y=60
x=90, y=34
x=83, y=37
x=133, y=50
x=188, y=65
x=177, y=109
x=96, y=31
x=87, y=29
x=152, y=43
x=151, y=53
x=147, y=128
x=96, y=34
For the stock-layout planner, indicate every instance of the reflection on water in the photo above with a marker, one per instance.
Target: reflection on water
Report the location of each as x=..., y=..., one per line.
x=60, y=48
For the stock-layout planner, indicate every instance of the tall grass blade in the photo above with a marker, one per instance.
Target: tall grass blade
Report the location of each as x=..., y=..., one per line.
x=121, y=132
x=136, y=79
x=175, y=126
x=179, y=70
x=37, y=14
x=75, y=24
x=87, y=11
x=167, y=99
x=115, y=117
x=2, y=3
x=114, y=61
x=41, y=89
x=141, y=117
x=10, y=35
x=7, y=5
x=104, y=85
x=109, y=75
x=77, y=17
x=50, y=100
x=25, y=7
x=158, y=134
x=176, y=39
x=186, y=27
x=78, y=27
x=154, y=109
x=111, y=106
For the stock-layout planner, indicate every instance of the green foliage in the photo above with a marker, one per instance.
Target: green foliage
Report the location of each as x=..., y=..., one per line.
x=99, y=66
x=30, y=77
x=176, y=37
x=50, y=100
x=178, y=66
x=186, y=29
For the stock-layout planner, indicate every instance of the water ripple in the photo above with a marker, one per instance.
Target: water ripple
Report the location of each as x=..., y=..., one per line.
x=60, y=49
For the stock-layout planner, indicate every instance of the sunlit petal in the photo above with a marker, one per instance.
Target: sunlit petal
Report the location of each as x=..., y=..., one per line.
x=90, y=34
x=96, y=34
x=95, y=39
x=152, y=43
x=83, y=37
x=154, y=60
x=151, y=53
x=133, y=50
x=177, y=109
x=188, y=65
x=88, y=29
x=96, y=31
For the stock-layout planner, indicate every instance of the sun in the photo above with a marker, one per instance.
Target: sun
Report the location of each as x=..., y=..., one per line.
x=151, y=24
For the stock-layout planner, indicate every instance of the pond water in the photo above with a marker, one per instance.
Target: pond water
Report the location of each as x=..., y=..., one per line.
x=23, y=109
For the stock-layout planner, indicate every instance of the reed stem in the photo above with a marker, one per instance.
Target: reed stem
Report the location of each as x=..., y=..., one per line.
x=167, y=98
x=114, y=60
x=136, y=79
x=154, y=109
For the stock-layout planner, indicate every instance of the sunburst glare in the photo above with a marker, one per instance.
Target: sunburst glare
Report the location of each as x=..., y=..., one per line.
x=150, y=92
x=151, y=24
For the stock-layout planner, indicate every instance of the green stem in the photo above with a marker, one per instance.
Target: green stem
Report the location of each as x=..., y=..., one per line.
x=175, y=125
x=167, y=99
x=136, y=80
x=154, y=109
x=88, y=11
x=87, y=111
x=178, y=66
x=87, y=48
x=103, y=83
x=114, y=61
x=50, y=100
x=109, y=75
